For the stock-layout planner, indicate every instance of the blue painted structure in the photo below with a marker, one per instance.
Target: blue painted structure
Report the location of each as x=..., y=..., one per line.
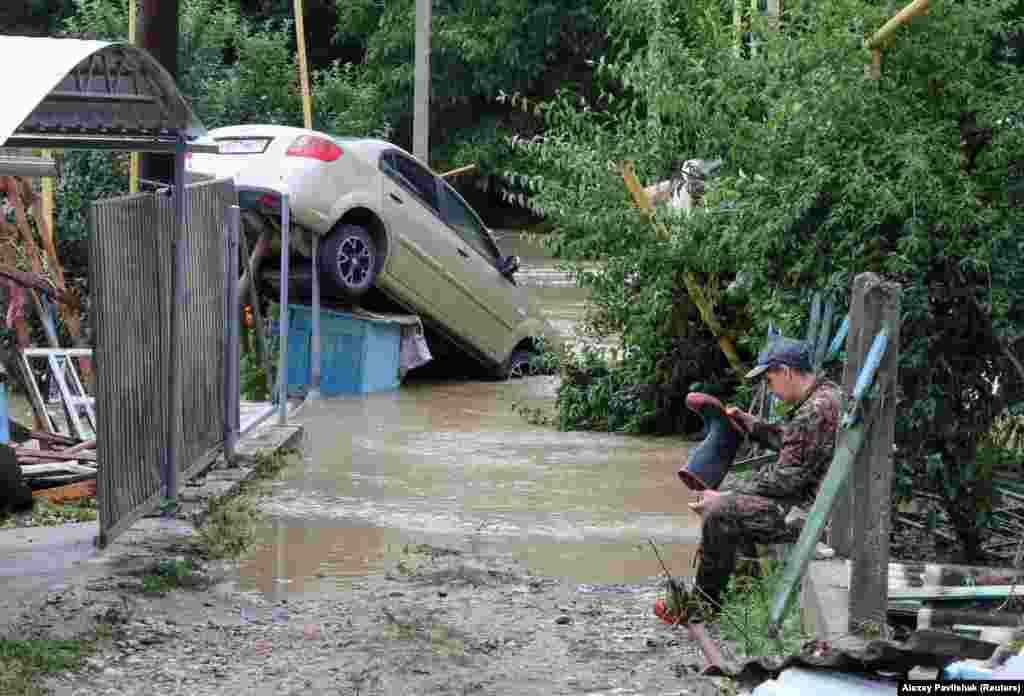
x=358, y=355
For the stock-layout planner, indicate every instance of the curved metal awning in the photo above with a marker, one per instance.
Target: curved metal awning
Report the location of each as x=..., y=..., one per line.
x=69, y=93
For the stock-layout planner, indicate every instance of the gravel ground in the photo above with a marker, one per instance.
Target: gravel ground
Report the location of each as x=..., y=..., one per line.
x=439, y=622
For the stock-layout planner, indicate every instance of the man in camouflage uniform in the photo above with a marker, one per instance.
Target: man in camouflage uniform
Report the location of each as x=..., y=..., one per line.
x=755, y=510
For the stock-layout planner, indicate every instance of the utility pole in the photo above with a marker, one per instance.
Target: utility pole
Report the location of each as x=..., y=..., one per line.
x=421, y=93
x=158, y=34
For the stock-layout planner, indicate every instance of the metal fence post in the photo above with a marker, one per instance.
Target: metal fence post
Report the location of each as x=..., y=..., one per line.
x=315, y=349
x=177, y=317
x=232, y=386
x=282, y=367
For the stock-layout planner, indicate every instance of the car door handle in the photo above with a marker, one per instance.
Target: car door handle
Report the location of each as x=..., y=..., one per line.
x=462, y=253
x=396, y=198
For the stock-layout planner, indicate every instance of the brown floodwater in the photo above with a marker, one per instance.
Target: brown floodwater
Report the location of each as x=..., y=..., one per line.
x=452, y=463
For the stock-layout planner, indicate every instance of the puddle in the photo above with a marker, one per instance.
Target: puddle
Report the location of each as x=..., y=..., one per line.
x=451, y=464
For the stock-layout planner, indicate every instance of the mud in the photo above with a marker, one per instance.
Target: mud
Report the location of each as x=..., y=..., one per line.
x=438, y=621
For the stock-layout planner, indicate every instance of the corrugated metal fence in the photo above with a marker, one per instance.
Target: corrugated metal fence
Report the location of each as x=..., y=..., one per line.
x=130, y=259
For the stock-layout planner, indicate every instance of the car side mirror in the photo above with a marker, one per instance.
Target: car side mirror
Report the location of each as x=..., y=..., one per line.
x=509, y=265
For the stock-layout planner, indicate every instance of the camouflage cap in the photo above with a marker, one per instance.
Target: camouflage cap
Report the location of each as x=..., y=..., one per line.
x=782, y=352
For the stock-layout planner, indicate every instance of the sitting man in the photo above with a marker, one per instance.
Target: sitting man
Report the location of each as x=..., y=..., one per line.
x=755, y=510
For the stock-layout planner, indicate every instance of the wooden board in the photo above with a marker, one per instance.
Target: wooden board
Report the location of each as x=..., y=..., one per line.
x=951, y=593
x=28, y=470
x=72, y=491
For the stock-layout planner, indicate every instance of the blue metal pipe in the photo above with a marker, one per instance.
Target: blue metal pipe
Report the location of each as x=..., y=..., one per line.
x=282, y=367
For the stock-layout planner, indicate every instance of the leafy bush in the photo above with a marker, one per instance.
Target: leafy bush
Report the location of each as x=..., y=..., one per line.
x=826, y=174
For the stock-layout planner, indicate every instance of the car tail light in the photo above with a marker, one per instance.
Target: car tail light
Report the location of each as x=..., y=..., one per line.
x=315, y=147
x=270, y=200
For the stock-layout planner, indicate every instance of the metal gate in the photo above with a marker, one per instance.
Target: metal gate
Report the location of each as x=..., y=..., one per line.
x=130, y=269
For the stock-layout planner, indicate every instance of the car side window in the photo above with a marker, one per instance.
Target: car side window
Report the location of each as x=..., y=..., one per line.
x=412, y=177
x=461, y=218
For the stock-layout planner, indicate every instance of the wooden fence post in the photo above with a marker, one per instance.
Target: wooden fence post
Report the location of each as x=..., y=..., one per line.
x=874, y=304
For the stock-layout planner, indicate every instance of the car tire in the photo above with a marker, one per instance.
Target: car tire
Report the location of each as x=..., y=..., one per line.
x=348, y=258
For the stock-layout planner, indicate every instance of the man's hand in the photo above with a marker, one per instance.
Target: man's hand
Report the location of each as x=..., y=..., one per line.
x=743, y=420
x=709, y=502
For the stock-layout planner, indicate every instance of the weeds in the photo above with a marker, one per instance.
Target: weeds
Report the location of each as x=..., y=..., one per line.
x=229, y=529
x=23, y=661
x=47, y=514
x=170, y=573
x=744, y=621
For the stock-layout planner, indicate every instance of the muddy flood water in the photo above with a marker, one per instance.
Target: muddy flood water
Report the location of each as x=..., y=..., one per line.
x=449, y=462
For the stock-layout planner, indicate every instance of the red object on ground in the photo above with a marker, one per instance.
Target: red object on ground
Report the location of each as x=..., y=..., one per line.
x=662, y=612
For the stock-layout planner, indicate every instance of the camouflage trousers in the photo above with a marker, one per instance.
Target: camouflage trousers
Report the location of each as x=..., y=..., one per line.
x=736, y=523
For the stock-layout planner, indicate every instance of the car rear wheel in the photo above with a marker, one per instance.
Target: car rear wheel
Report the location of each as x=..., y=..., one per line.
x=348, y=257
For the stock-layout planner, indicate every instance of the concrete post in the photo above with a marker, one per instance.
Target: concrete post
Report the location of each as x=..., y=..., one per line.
x=421, y=92
x=875, y=304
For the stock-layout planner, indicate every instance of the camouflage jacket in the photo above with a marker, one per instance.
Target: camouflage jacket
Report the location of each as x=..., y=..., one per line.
x=805, y=441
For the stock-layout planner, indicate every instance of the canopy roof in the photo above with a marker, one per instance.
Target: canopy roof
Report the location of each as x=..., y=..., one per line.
x=68, y=93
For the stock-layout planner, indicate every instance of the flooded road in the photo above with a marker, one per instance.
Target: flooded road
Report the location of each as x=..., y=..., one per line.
x=452, y=464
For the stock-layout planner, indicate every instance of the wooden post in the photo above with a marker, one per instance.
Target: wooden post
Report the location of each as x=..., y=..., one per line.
x=133, y=163
x=300, y=36
x=157, y=32
x=875, y=304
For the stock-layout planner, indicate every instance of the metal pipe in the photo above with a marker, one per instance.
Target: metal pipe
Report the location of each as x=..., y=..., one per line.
x=28, y=166
x=231, y=418
x=177, y=318
x=315, y=348
x=282, y=366
x=902, y=17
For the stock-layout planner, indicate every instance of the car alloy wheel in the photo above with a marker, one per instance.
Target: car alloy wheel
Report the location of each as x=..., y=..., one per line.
x=354, y=261
x=348, y=257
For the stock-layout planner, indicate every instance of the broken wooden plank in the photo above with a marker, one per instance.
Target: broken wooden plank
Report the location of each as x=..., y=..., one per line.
x=976, y=592
x=55, y=468
x=81, y=447
x=19, y=431
x=71, y=491
x=459, y=170
x=51, y=455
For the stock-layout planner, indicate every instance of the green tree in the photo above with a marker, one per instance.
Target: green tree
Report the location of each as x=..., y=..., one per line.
x=826, y=174
x=479, y=49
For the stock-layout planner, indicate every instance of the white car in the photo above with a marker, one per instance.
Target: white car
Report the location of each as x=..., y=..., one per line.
x=384, y=221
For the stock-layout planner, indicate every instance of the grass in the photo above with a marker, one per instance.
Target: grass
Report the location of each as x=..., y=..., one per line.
x=47, y=514
x=229, y=529
x=168, y=574
x=744, y=617
x=22, y=662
